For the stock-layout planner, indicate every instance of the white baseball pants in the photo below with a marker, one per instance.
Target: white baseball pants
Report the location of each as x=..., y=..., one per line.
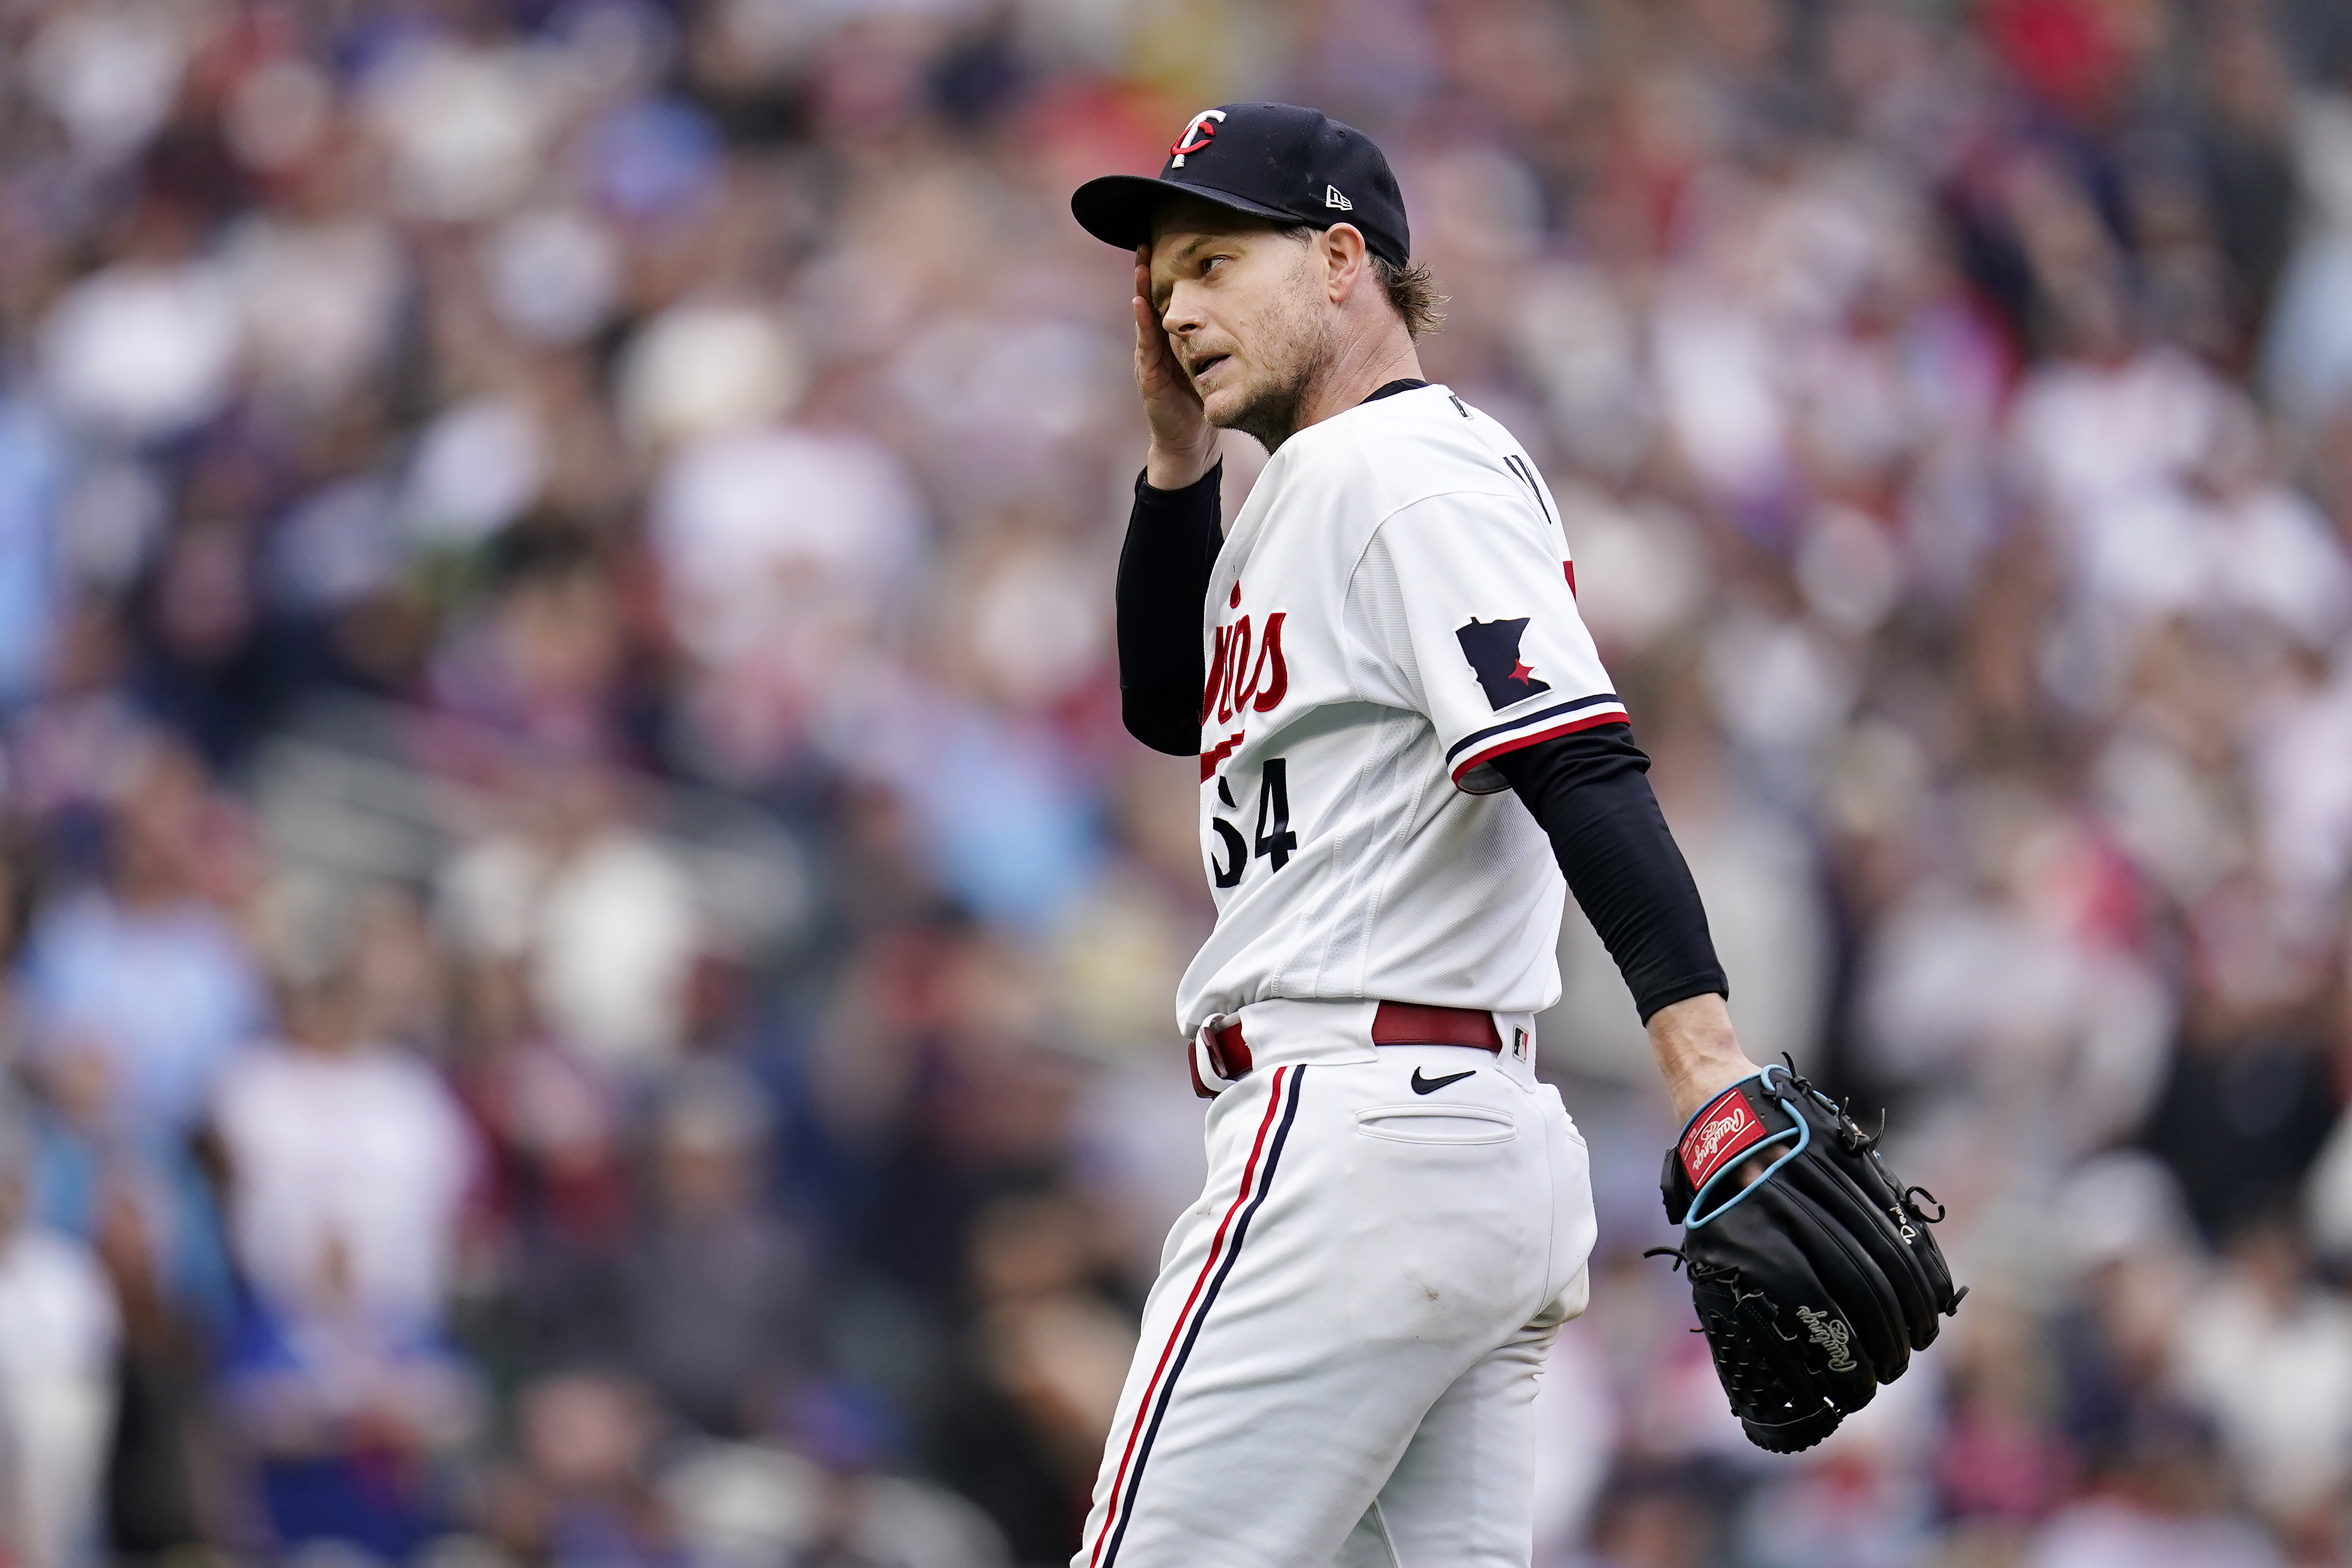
x=1338, y=1358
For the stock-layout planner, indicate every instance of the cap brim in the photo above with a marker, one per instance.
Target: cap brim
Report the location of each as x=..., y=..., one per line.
x=1117, y=208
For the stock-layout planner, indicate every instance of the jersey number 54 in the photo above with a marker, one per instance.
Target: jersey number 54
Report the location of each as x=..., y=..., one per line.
x=1274, y=840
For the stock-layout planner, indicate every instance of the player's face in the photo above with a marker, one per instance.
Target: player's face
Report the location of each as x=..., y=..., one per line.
x=1246, y=313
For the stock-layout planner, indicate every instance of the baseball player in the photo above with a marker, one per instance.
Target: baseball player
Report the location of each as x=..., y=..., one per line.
x=1405, y=738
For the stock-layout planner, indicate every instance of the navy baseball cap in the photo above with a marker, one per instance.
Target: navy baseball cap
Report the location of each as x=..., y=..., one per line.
x=1273, y=161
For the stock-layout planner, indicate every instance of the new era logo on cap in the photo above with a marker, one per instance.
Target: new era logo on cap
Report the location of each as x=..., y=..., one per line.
x=1272, y=161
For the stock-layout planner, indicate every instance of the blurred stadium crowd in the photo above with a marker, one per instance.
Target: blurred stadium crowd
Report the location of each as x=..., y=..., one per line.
x=588, y=966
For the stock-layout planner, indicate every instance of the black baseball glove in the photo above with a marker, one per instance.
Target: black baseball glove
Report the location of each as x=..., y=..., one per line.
x=1815, y=1283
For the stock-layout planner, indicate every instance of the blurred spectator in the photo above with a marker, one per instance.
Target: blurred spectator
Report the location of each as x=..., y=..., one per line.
x=601, y=916
x=348, y=1408
x=145, y=349
x=778, y=550
x=1656, y=1517
x=339, y=1144
x=820, y=1501
x=586, y=1493
x=138, y=991
x=2160, y=1503
x=2270, y=1353
x=168, y=1490
x=58, y=1330
x=1021, y=1424
x=714, y=1297
x=552, y=1126
x=348, y=1161
x=140, y=987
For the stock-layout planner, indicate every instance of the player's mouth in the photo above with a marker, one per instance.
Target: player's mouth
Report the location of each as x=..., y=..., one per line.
x=1201, y=368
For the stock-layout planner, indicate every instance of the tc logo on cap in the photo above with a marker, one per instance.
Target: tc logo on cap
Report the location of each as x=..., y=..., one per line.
x=1199, y=132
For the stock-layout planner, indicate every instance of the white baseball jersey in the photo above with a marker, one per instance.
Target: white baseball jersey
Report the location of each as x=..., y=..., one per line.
x=1394, y=607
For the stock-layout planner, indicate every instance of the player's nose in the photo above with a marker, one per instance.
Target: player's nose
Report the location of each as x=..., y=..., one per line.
x=1178, y=315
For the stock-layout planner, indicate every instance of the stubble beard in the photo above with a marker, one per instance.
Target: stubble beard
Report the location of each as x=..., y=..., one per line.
x=1271, y=415
x=1300, y=344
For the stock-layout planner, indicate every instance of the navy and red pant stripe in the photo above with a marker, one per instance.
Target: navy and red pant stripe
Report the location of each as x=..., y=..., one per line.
x=1224, y=1250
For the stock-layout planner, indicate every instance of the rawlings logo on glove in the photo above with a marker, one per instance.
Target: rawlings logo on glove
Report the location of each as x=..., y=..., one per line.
x=1824, y=1221
x=1725, y=1128
x=1831, y=1335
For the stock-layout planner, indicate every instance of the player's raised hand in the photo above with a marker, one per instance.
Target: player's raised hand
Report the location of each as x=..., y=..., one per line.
x=1184, y=442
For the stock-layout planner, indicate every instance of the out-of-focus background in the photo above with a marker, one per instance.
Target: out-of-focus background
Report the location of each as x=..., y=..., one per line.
x=587, y=965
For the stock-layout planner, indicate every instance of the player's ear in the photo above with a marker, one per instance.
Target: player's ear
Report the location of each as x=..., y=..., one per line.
x=1343, y=257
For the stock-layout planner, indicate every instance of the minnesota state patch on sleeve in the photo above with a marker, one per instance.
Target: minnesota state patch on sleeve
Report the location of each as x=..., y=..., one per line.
x=1492, y=649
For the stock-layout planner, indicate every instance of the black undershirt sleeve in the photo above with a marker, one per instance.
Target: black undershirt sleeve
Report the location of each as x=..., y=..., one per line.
x=1172, y=540
x=1591, y=790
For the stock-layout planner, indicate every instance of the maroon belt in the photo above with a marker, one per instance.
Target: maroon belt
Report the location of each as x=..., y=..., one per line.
x=1396, y=1023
